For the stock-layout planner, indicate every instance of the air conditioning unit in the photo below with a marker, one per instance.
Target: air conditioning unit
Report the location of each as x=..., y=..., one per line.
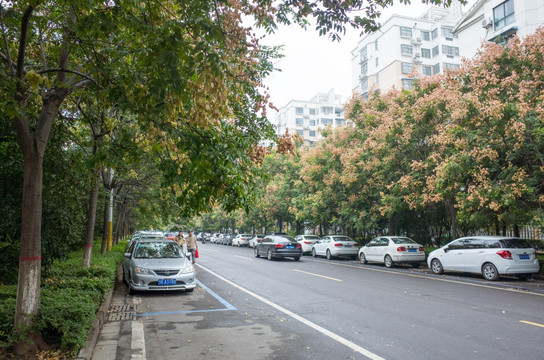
x=416, y=41
x=487, y=23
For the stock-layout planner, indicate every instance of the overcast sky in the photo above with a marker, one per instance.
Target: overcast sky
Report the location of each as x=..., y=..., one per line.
x=315, y=64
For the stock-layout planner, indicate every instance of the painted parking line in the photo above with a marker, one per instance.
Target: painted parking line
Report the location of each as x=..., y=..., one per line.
x=245, y=258
x=321, y=276
x=532, y=323
x=299, y=318
x=226, y=304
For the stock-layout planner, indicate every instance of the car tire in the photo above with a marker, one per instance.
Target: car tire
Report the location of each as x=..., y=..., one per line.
x=436, y=267
x=329, y=255
x=297, y=258
x=256, y=252
x=313, y=253
x=388, y=261
x=362, y=258
x=269, y=255
x=490, y=272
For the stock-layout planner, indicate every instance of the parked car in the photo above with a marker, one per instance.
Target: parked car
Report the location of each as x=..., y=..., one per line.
x=157, y=264
x=390, y=250
x=491, y=256
x=255, y=240
x=307, y=241
x=278, y=246
x=227, y=239
x=216, y=238
x=241, y=240
x=332, y=246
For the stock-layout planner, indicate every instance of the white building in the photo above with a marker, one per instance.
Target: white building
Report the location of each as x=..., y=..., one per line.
x=497, y=20
x=405, y=47
x=307, y=117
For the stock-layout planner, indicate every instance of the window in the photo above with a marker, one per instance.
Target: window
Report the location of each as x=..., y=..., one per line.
x=377, y=78
x=339, y=122
x=364, y=54
x=312, y=122
x=313, y=111
x=377, y=62
x=300, y=132
x=406, y=49
x=312, y=133
x=450, y=50
x=407, y=67
x=364, y=85
x=426, y=35
x=299, y=111
x=326, y=110
x=326, y=122
x=364, y=69
x=407, y=84
x=427, y=70
x=338, y=111
x=446, y=33
x=426, y=53
x=436, y=51
x=299, y=121
x=451, y=66
x=405, y=31
x=376, y=45
x=503, y=14
x=436, y=69
x=434, y=34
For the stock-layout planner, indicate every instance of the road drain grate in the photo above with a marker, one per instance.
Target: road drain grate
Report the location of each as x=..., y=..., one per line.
x=121, y=312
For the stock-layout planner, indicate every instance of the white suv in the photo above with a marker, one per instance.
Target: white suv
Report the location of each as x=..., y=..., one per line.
x=490, y=256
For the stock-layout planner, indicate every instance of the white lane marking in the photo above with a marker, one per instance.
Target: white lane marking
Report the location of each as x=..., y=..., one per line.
x=138, y=337
x=523, y=291
x=313, y=274
x=316, y=327
x=245, y=258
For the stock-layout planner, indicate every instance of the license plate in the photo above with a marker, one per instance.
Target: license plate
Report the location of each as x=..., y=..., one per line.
x=167, y=281
x=524, y=257
x=290, y=247
x=412, y=250
x=347, y=245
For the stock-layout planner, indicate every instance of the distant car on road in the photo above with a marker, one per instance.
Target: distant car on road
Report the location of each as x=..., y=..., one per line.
x=390, y=250
x=156, y=265
x=307, y=241
x=332, y=246
x=241, y=240
x=278, y=246
x=491, y=256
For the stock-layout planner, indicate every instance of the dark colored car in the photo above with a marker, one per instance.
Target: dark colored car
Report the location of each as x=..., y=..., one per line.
x=278, y=246
x=227, y=239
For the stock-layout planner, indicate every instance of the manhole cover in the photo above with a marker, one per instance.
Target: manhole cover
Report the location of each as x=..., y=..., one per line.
x=121, y=312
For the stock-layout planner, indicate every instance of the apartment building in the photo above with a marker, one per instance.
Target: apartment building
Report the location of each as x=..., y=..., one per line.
x=306, y=118
x=497, y=21
x=406, y=47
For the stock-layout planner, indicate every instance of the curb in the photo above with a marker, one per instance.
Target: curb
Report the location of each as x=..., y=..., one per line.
x=101, y=314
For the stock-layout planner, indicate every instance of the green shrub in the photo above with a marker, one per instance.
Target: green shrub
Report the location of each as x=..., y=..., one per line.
x=8, y=295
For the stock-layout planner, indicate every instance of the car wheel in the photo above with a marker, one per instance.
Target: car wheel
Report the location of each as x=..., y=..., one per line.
x=436, y=266
x=269, y=255
x=256, y=252
x=489, y=272
x=388, y=262
x=362, y=258
x=313, y=253
x=297, y=258
x=329, y=255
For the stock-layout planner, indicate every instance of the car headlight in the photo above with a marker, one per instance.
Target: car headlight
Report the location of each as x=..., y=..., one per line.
x=143, y=271
x=188, y=270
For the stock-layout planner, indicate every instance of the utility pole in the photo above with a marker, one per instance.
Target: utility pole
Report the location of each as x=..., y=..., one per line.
x=110, y=214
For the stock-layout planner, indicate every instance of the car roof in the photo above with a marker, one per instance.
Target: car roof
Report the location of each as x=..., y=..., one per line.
x=488, y=237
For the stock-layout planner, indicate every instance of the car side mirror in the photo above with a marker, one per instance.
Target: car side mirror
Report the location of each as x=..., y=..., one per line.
x=127, y=255
x=446, y=248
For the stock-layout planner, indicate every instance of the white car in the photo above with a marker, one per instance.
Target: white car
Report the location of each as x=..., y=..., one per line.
x=307, y=241
x=256, y=240
x=216, y=238
x=332, y=246
x=241, y=240
x=389, y=250
x=491, y=256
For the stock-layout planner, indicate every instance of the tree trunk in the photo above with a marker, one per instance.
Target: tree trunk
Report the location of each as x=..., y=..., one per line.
x=104, y=244
x=453, y=218
x=390, y=231
x=91, y=220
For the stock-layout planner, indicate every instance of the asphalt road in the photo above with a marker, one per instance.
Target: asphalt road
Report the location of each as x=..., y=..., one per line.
x=252, y=308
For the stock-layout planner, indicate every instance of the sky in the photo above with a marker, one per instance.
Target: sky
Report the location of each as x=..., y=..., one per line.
x=315, y=64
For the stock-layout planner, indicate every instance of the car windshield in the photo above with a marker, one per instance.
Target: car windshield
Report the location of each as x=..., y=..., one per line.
x=168, y=250
x=403, y=240
x=311, y=237
x=515, y=243
x=342, y=238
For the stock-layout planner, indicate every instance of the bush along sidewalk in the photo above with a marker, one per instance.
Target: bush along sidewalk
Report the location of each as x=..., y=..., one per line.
x=70, y=297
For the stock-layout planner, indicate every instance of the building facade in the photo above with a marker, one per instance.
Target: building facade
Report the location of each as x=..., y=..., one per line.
x=306, y=118
x=497, y=21
x=407, y=47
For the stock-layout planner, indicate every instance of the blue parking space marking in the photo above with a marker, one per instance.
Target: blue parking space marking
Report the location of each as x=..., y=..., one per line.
x=228, y=306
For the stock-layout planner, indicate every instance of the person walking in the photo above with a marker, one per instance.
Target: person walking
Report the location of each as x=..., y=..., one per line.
x=192, y=245
x=182, y=242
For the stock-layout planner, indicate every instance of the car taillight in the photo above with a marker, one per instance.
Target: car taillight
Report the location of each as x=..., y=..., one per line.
x=401, y=248
x=338, y=244
x=279, y=246
x=421, y=248
x=308, y=242
x=505, y=254
x=298, y=246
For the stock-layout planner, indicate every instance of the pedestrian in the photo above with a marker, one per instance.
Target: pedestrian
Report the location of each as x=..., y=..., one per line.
x=192, y=245
x=182, y=242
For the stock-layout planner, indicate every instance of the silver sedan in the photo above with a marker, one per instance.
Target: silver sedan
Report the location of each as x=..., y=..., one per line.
x=151, y=265
x=390, y=250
